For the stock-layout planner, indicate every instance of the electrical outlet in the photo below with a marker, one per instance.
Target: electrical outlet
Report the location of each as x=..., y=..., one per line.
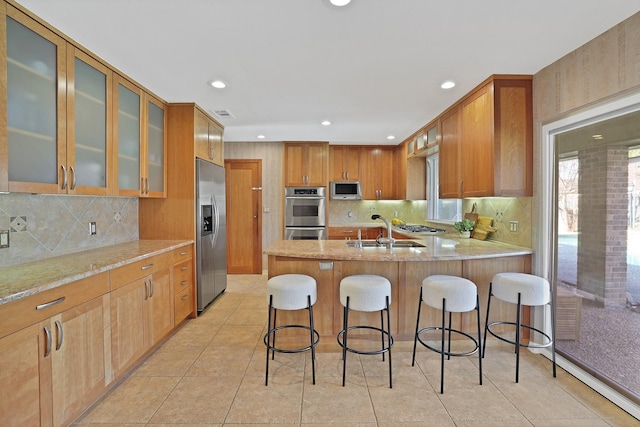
x=350, y=214
x=513, y=226
x=92, y=228
x=4, y=238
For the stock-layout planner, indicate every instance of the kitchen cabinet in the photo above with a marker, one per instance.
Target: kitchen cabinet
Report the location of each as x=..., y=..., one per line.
x=140, y=142
x=344, y=163
x=58, y=115
x=183, y=286
x=351, y=233
x=55, y=367
x=208, y=139
x=378, y=173
x=305, y=164
x=141, y=309
x=487, y=141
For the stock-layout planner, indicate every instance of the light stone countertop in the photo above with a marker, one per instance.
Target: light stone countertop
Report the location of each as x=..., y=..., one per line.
x=436, y=248
x=22, y=280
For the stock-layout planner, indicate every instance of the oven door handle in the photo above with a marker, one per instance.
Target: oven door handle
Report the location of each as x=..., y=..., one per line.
x=304, y=228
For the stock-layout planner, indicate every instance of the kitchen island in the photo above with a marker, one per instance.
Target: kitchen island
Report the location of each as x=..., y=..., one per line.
x=328, y=261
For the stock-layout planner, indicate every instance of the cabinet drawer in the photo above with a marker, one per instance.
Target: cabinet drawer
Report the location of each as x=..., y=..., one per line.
x=182, y=276
x=183, y=304
x=182, y=253
x=27, y=311
x=128, y=273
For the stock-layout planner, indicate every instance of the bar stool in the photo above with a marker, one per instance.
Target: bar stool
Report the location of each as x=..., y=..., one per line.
x=450, y=294
x=291, y=292
x=367, y=293
x=521, y=289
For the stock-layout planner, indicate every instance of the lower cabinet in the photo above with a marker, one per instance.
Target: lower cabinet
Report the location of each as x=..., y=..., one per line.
x=141, y=315
x=53, y=369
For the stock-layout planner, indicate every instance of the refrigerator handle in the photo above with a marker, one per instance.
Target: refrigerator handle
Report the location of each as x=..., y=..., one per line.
x=216, y=225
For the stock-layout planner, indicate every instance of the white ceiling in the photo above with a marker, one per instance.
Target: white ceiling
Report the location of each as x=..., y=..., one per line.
x=373, y=68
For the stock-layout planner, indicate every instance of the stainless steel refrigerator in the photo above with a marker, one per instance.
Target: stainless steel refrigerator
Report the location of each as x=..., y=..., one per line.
x=211, y=236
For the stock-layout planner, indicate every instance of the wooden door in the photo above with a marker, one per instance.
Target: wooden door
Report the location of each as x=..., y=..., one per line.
x=80, y=357
x=449, y=156
x=477, y=144
x=160, y=306
x=128, y=325
x=244, y=216
x=25, y=387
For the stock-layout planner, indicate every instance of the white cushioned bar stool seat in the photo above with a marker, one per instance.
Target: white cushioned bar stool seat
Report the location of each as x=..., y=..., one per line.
x=451, y=294
x=368, y=293
x=291, y=292
x=523, y=290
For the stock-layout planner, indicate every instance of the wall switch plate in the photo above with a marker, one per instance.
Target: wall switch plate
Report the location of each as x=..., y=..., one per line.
x=92, y=228
x=513, y=226
x=4, y=238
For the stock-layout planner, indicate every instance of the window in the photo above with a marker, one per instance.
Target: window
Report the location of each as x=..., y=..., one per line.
x=447, y=210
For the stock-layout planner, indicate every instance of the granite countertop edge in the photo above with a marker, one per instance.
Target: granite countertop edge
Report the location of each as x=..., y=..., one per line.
x=23, y=280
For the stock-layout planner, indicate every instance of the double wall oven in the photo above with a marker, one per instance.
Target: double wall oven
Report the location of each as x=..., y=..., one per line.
x=305, y=210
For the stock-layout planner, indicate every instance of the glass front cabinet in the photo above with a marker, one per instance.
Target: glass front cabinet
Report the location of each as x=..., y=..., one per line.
x=73, y=125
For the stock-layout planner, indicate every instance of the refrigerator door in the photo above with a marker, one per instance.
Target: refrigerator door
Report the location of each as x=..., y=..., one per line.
x=211, y=249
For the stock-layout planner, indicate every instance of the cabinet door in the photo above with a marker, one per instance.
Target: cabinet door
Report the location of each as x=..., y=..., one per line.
x=160, y=306
x=316, y=164
x=79, y=361
x=216, y=145
x=36, y=108
x=449, y=156
x=128, y=324
x=294, y=164
x=89, y=154
x=25, y=393
x=344, y=163
x=155, y=171
x=202, y=147
x=128, y=137
x=477, y=144
x=378, y=173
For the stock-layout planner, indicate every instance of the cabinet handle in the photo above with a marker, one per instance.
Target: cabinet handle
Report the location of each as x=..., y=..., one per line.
x=146, y=267
x=461, y=182
x=146, y=185
x=47, y=350
x=64, y=177
x=183, y=268
x=347, y=175
x=72, y=172
x=183, y=253
x=152, y=286
x=60, y=335
x=184, y=297
x=141, y=185
x=146, y=290
x=49, y=304
x=184, y=282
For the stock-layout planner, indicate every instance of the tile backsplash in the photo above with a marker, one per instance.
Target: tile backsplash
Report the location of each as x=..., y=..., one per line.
x=43, y=226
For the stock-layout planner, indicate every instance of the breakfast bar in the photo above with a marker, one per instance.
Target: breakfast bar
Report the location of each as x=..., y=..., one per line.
x=328, y=261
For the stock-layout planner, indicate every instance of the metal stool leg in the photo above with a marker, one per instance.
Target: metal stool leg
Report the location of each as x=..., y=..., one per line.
x=389, y=329
x=382, y=331
x=444, y=315
x=313, y=347
x=345, y=323
x=415, y=337
x=266, y=379
x=518, y=323
x=480, y=354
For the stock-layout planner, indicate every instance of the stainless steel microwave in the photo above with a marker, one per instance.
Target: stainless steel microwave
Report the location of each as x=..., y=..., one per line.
x=345, y=190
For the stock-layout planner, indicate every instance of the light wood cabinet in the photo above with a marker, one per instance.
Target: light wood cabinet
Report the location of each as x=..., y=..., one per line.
x=344, y=163
x=57, y=133
x=351, y=233
x=486, y=147
x=305, y=164
x=141, y=309
x=139, y=141
x=55, y=367
x=378, y=173
x=208, y=139
x=183, y=286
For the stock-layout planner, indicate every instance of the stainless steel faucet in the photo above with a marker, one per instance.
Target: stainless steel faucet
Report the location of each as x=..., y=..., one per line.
x=389, y=240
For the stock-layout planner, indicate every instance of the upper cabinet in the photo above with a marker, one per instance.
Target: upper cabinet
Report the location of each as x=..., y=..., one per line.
x=378, y=167
x=139, y=141
x=344, y=163
x=67, y=114
x=486, y=148
x=208, y=139
x=305, y=163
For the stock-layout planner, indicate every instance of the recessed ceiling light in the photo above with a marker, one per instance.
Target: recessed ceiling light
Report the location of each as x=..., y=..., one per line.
x=340, y=2
x=391, y=137
x=447, y=85
x=261, y=136
x=325, y=123
x=218, y=84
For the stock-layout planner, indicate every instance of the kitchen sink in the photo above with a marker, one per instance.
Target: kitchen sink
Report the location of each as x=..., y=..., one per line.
x=374, y=244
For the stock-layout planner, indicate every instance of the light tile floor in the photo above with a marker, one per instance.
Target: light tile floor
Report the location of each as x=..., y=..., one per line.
x=211, y=373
